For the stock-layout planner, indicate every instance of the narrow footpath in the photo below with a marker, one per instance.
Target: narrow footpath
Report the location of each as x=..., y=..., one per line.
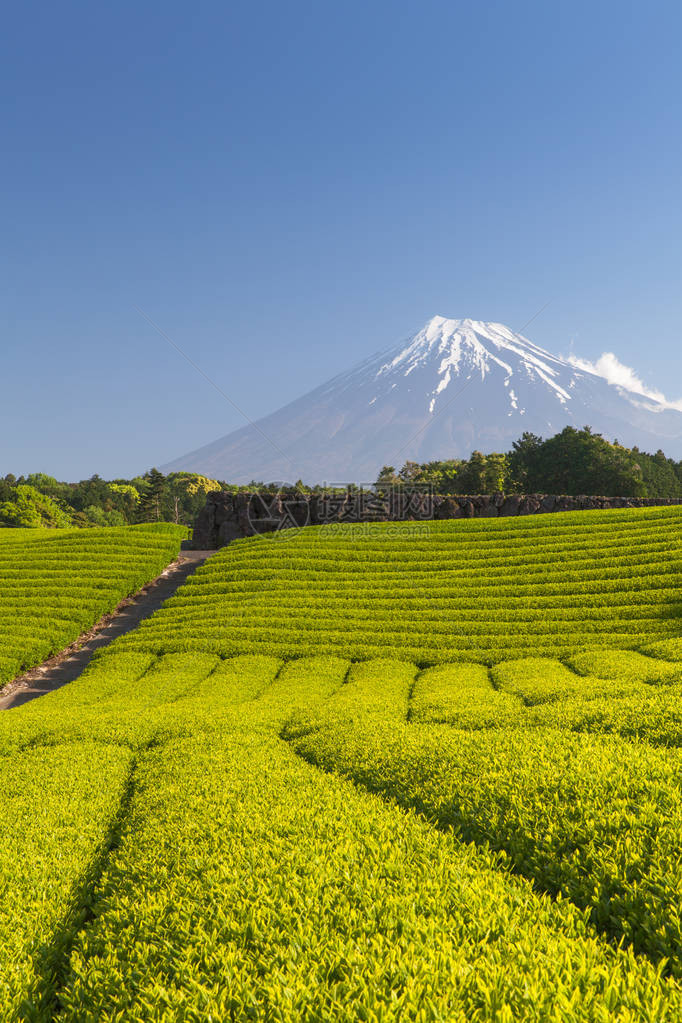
x=70, y=663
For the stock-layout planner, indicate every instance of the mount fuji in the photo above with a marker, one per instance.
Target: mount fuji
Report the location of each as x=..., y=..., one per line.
x=456, y=386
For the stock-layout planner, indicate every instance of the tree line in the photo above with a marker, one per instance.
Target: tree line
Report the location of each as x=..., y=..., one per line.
x=572, y=462
x=40, y=500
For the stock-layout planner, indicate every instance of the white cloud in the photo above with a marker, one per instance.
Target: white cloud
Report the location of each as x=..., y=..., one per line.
x=617, y=373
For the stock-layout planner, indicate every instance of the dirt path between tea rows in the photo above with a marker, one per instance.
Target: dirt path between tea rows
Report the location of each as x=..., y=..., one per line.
x=70, y=663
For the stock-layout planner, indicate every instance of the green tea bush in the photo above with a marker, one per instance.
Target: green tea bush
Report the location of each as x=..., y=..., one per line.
x=180, y=861
x=247, y=886
x=651, y=714
x=460, y=591
x=598, y=820
x=378, y=689
x=626, y=666
x=462, y=695
x=668, y=649
x=537, y=680
x=56, y=583
x=545, y=680
x=59, y=806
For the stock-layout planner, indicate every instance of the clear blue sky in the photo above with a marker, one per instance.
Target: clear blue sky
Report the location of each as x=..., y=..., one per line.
x=287, y=187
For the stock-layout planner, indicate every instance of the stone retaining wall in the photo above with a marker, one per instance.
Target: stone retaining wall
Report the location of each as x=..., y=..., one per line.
x=227, y=517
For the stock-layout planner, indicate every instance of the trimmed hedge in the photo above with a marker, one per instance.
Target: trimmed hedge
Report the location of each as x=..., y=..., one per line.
x=57, y=583
x=483, y=591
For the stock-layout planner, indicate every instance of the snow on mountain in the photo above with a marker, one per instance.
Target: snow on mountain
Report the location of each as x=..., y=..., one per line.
x=456, y=386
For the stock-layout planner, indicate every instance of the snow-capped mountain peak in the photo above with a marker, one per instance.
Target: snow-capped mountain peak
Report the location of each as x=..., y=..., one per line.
x=460, y=348
x=454, y=386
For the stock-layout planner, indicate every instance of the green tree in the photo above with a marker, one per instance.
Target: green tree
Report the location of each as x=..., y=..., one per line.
x=28, y=507
x=482, y=474
x=151, y=503
x=93, y=491
x=125, y=499
x=660, y=474
x=96, y=516
x=387, y=476
x=410, y=472
x=523, y=463
x=185, y=495
x=495, y=473
x=582, y=462
x=442, y=476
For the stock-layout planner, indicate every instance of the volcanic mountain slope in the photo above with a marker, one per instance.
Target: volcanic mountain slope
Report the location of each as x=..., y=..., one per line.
x=456, y=386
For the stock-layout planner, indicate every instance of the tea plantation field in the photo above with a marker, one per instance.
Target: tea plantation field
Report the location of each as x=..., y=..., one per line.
x=56, y=583
x=482, y=590
x=306, y=790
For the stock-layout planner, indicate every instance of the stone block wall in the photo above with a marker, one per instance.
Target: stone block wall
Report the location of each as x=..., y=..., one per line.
x=226, y=517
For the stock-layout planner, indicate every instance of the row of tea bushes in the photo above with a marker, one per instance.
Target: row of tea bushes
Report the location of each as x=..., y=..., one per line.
x=248, y=886
x=195, y=853
x=462, y=695
x=55, y=584
x=60, y=808
x=221, y=852
x=595, y=819
x=483, y=591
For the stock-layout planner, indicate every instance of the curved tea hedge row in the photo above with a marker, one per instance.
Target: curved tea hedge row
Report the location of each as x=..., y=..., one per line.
x=481, y=822
x=248, y=887
x=56, y=583
x=213, y=874
x=595, y=819
x=483, y=591
x=59, y=807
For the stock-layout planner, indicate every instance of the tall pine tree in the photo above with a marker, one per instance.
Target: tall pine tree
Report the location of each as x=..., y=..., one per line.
x=151, y=503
